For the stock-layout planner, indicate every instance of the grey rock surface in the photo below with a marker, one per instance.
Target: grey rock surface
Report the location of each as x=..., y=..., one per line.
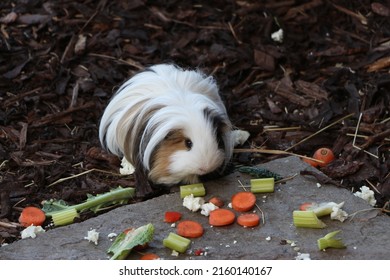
x=365, y=235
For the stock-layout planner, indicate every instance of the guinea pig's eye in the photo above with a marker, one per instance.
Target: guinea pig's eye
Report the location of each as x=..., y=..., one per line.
x=188, y=143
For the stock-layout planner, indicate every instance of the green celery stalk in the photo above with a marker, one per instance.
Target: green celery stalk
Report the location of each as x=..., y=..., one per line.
x=263, y=185
x=328, y=241
x=176, y=242
x=195, y=189
x=307, y=219
x=64, y=217
x=63, y=214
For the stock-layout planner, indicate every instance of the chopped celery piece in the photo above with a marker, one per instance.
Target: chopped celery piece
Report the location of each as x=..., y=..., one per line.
x=127, y=240
x=176, y=242
x=263, y=185
x=64, y=217
x=195, y=189
x=328, y=241
x=307, y=219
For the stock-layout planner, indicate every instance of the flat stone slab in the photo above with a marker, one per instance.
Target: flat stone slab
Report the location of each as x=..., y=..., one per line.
x=365, y=235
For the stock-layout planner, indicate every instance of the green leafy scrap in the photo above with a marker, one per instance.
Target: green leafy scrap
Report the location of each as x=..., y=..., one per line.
x=259, y=172
x=127, y=240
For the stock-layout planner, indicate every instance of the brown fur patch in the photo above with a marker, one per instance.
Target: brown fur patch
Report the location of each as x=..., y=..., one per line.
x=175, y=141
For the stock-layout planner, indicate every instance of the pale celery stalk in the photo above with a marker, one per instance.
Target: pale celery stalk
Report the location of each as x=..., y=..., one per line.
x=307, y=219
x=63, y=214
x=64, y=217
x=324, y=208
x=263, y=185
x=176, y=242
x=195, y=189
x=328, y=241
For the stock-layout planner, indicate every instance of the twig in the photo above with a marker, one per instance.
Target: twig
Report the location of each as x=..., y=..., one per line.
x=372, y=185
x=319, y=131
x=9, y=225
x=257, y=206
x=270, y=128
x=286, y=179
x=274, y=152
x=81, y=174
x=354, y=139
x=366, y=210
x=234, y=33
x=128, y=61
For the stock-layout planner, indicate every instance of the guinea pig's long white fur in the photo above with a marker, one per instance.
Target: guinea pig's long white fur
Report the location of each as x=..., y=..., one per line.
x=170, y=123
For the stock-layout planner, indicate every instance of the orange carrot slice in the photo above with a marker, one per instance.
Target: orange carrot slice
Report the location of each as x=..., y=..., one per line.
x=172, y=217
x=305, y=206
x=248, y=220
x=32, y=216
x=243, y=201
x=150, y=256
x=221, y=217
x=324, y=154
x=189, y=229
x=217, y=201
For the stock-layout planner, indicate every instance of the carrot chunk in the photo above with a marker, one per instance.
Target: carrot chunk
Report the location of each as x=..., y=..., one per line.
x=172, y=217
x=243, y=201
x=190, y=229
x=150, y=256
x=221, y=217
x=217, y=201
x=305, y=206
x=32, y=216
x=248, y=220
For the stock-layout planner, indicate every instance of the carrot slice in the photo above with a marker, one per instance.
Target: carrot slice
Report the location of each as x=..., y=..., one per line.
x=243, y=201
x=248, y=220
x=221, y=217
x=217, y=201
x=189, y=229
x=150, y=256
x=172, y=217
x=304, y=206
x=32, y=216
x=324, y=154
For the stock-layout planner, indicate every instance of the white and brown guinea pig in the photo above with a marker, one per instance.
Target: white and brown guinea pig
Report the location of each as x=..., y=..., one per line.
x=170, y=124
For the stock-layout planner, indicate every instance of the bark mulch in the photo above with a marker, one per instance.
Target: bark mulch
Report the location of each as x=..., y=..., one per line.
x=324, y=84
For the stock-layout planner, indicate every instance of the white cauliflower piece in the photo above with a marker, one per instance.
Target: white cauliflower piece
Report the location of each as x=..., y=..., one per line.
x=31, y=231
x=207, y=208
x=127, y=167
x=338, y=214
x=240, y=137
x=277, y=36
x=303, y=256
x=92, y=236
x=366, y=194
x=193, y=203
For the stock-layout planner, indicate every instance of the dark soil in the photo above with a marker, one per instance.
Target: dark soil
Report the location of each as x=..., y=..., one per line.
x=61, y=61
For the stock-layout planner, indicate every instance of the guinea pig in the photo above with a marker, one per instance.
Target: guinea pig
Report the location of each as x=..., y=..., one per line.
x=170, y=124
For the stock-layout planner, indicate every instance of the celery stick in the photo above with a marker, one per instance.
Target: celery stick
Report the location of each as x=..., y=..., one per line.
x=195, y=189
x=176, y=242
x=307, y=219
x=64, y=217
x=263, y=185
x=63, y=214
x=328, y=241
